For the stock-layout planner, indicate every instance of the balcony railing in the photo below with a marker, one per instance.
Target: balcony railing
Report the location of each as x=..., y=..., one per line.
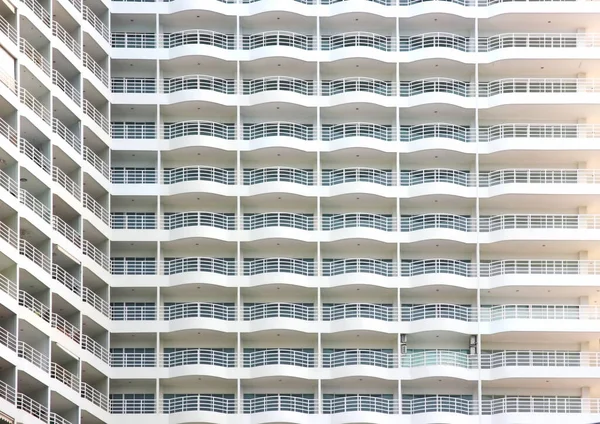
x=206, y=403
x=303, y=132
x=95, y=69
x=299, y=311
x=278, y=219
x=276, y=402
x=195, y=356
x=96, y=23
x=66, y=134
x=96, y=116
x=360, y=403
x=59, y=32
x=174, y=130
x=278, y=83
x=278, y=38
x=369, y=357
x=279, y=356
x=199, y=173
x=64, y=376
x=381, y=312
x=31, y=52
x=66, y=279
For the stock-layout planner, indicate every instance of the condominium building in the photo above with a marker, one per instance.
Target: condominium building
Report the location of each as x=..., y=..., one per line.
x=299, y=211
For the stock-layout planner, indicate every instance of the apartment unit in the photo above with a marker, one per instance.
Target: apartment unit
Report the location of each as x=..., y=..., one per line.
x=299, y=211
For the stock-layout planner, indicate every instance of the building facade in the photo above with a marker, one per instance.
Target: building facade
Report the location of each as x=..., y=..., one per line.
x=299, y=211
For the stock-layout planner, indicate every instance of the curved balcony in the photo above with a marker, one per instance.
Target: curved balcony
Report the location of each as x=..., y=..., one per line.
x=261, y=403
x=379, y=267
x=197, y=403
x=278, y=39
x=360, y=403
x=198, y=178
x=298, y=311
x=438, y=403
x=352, y=357
x=340, y=311
x=198, y=356
x=279, y=179
x=279, y=356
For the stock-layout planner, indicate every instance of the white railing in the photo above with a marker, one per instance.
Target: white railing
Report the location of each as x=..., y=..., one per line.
x=99, y=165
x=134, y=130
x=440, y=357
x=9, y=81
x=54, y=418
x=355, y=175
x=358, y=84
x=66, y=279
x=66, y=182
x=279, y=265
x=134, y=40
x=7, y=131
x=381, y=312
x=129, y=266
x=7, y=29
x=358, y=220
x=198, y=310
x=438, y=311
x=278, y=129
x=220, y=266
x=197, y=37
x=95, y=349
x=277, y=402
x=96, y=23
x=428, y=176
x=279, y=83
x=208, y=403
x=66, y=328
x=332, y=132
x=173, y=130
x=279, y=356
x=96, y=116
x=133, y=312
x=66, y=38
x=133, y=176
x=439, y=403
x=36, y=256
x=98, y=210
x=64, y=376
x=36, y=57
x=132, y=85
x=96, y=255
x=382, y=267
x=96, y=69
x=65, y=86
x=358, y=39
x=34, y=305
x=278, y=174
x=9, y=287
x=8, y=339
x=278, y=219
x=350, y=357
x=66, y=134
x=101, y=305
x=96, y=397
x=539, y=405
x=35, y=205
x=9, y=235
x=135, y=360
x=199, y=173
x=278, y=38
x=33, y=407
x=39, y=11
x=198, y=219
x=8, y=184
x=539, y=40
x=356, y=403
x=35, y=105
x=279, y=310
x=35, y=155
x=34, y=356
x=199, y=356
x=197, y=82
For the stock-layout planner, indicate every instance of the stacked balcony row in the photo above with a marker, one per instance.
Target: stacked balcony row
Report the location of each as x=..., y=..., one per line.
x=383, y=42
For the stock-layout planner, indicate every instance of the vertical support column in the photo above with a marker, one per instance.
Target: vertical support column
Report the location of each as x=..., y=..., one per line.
x=239, y=212
x=398, y=211
x=158, y=211
x=477, y=216
x=319, y=259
